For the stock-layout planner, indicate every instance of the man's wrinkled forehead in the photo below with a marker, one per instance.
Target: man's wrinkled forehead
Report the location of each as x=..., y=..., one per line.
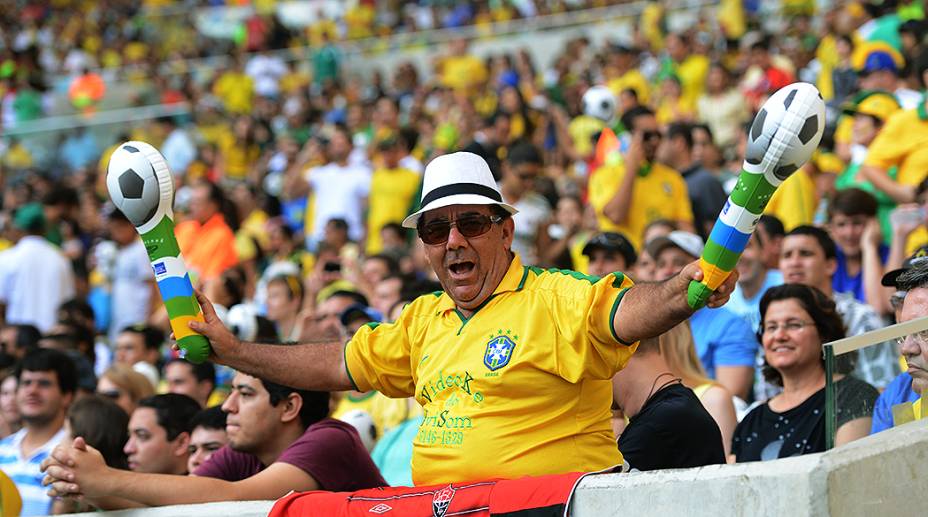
x=454, y=211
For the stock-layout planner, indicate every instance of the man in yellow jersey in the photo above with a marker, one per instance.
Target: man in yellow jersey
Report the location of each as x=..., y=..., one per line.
x=511, y=364
x=639, y=190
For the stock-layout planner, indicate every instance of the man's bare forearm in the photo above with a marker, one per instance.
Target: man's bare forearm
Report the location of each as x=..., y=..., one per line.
x=311, y=366
x=164, y=489
x=650, y=309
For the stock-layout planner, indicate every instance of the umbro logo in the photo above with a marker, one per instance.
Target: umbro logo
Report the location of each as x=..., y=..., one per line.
x=381, y=509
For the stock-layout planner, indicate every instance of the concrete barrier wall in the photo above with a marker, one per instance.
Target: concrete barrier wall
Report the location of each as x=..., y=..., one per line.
x=881, y=475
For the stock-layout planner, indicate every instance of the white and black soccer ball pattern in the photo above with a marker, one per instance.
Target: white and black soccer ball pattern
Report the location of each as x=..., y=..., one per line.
x=599, y=102
x=132, y=184
x=804, y=132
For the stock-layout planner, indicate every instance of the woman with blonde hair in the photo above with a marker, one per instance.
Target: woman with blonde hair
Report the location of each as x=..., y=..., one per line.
x=679, y=351
x=124, y=386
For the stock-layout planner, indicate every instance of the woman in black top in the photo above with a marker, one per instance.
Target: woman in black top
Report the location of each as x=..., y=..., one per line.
x=796, y=320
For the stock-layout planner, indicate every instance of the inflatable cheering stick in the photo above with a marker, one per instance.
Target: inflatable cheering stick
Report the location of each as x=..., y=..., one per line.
x=783, y=136
x=141, y=186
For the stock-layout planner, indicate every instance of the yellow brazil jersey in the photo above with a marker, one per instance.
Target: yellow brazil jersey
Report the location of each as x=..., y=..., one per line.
x=393, y=193
x=581, y=130
x=692, y=73
x=522, y=387
x=633, y=79
x=460, y=73
x=659, y=194
x=903, y=142
x=795, y=200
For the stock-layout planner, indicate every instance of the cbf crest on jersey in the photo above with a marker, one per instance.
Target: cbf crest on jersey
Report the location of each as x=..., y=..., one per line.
x=499, y=351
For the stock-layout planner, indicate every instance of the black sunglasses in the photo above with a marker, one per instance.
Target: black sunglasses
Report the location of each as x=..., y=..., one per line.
x=648, y=135
x=471, y=225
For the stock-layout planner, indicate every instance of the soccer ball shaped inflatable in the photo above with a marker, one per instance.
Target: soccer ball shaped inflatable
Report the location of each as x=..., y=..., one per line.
x=140, y=183
x=599, y=102
x=786, y=131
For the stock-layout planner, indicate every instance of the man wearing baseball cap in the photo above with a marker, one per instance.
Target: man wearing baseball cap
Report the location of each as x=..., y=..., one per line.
x=899, y=391
x=608, y=252
x=511, y=364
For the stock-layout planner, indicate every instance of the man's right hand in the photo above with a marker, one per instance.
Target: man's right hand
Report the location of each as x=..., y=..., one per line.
x=222, y=341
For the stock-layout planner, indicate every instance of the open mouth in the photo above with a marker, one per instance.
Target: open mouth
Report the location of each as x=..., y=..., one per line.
x=461, y=268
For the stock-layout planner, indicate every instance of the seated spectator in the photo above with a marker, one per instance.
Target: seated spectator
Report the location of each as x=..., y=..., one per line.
x=393, y=452
x=724, y=343
x=284, y=299
x=796, y=320
x=679, y=351
x=124, y=386
x=104, y=426
x=208, y=436
x=197, y=381
x=279, y=440
x=860, y=252
x=901, y=389
x=159, y=434
x=567, y=235
x=668, y=427
x=10, y=420
x=139, y=347
x=808, y=256
x=609, y=252
x=47, y=384
x=754, y=279
x=386, y=293
x=914, y=347
x=16, y=340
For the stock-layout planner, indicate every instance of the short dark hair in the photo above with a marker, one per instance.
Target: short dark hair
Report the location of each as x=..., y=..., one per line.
x=824, y=240
x=851, y=202
x=103, y=425
x=204, y=371
x=315, y=403
x=523, y=152
x=772, y=225
x=75, y=308
x=338, y=223
x=393, y=266
x=27, y=336
x=824, y=315
x=629, y=117
x=152, y=336
x=681, y=130
x=50, y=360
x=173, y=411
x=209, y=418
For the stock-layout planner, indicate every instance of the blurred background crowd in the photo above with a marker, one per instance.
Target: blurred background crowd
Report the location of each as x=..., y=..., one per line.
x=298, y=136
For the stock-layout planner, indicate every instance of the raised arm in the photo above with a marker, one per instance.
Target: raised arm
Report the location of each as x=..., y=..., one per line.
x=650, y=309
x=310, y=366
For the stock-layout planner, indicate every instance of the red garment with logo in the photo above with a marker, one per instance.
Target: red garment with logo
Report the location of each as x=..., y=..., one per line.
x=546, y=496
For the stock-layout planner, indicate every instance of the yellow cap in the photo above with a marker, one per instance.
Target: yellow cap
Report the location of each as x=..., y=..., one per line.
x=878, y=104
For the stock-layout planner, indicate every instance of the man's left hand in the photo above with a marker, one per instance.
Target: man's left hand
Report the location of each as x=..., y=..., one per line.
x=692, y=272
x=74, y=470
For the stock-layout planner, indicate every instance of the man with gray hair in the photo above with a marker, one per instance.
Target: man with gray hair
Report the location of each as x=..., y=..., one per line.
x=511, y=364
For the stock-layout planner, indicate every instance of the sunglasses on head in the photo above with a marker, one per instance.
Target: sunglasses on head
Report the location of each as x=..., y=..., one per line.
x=469, y=225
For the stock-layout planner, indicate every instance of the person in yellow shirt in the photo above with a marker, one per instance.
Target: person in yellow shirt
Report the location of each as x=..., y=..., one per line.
x=795, y=201
x=511, y=364
x=621, y=73
x=902, y=142
x=235, y=89
x=392, y=193
x=626, y=203
x=461, y=71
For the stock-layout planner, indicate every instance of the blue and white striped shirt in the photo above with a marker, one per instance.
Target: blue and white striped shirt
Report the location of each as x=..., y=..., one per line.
x=25, y=471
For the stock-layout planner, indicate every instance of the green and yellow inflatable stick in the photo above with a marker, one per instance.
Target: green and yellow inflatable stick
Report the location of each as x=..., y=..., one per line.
x=141, y=186
x=783, y=136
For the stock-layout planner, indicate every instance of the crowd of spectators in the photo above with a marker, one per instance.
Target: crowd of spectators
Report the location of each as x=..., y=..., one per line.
x=292, y=179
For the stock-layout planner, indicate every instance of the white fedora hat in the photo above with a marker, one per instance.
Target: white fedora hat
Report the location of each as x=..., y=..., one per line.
x=457, y=179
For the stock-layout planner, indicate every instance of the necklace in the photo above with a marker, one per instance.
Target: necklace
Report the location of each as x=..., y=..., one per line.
x=653, y=384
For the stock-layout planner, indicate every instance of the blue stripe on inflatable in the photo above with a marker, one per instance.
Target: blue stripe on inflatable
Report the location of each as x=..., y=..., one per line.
x=729, y=237
x=174, y=286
